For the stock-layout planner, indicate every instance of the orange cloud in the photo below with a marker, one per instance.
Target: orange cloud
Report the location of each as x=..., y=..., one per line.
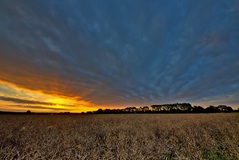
x=23, y=99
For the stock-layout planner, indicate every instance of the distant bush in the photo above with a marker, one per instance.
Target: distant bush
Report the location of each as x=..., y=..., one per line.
x=28, y=112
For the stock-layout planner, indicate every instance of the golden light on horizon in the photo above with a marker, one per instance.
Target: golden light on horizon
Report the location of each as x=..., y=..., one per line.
x=21, y=99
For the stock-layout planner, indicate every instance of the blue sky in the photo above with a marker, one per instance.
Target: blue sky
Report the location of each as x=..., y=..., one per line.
x=122, y=53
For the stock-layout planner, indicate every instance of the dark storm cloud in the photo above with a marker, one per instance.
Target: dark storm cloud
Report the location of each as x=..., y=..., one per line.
x=122, y=52
x=24, y=101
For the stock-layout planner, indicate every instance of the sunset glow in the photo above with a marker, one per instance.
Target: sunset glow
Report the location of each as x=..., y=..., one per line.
x=38, y=101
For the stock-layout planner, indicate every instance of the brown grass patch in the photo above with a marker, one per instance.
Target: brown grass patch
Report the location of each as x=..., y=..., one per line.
x=135, y=136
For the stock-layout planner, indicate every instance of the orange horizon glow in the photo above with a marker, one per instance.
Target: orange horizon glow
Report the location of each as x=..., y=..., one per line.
x=54, y=103
x=61, y=103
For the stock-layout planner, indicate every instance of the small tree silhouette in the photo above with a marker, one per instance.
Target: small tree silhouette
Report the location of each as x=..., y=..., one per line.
x=99, y=111
x=28, y=112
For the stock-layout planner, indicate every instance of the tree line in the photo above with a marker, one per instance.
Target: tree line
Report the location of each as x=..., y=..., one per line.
x=169, y=108
x=163, y=108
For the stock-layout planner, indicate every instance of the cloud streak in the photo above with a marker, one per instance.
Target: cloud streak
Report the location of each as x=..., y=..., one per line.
x=120, y=53
x=24, y=101
x=40, y=107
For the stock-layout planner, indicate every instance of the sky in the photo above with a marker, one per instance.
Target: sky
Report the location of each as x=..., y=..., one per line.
x=78, y=56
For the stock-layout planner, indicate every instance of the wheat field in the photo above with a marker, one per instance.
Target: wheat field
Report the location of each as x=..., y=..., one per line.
x=121, y=136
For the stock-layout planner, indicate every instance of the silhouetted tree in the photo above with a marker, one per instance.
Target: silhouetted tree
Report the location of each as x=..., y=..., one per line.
x=212, y=109
x=108, y=111
x=198, y=109
x=224, y=108
x=89, y=112
x=229, y=109
x=28, y=112
x=99, y=111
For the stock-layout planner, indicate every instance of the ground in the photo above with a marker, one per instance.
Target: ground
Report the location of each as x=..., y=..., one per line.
x=121, y=136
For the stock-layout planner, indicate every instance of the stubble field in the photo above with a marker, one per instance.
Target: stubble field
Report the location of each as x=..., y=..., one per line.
x=123, y=136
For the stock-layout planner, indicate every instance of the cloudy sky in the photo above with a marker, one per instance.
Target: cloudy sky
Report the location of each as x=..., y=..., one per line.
x=80, y=55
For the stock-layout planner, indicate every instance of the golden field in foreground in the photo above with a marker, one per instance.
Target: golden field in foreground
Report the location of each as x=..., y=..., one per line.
x=121, y=136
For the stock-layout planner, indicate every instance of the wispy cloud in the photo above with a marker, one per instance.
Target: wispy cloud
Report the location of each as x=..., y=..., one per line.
x=24, y=101
x=40, y=107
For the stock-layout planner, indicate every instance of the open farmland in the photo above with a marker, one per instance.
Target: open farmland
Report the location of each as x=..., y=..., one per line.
x=121, y=136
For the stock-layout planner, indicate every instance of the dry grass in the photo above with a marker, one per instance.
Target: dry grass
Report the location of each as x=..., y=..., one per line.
x=155, y=136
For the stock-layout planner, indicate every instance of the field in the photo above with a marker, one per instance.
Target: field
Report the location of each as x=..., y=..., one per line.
x=123, y=136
